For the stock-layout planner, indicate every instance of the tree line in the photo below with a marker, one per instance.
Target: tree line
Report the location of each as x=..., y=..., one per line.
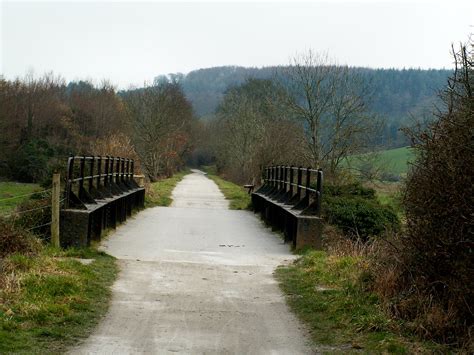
x=44, y=119
x=397, y=94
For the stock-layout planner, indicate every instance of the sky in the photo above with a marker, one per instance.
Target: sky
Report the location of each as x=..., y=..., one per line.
x=131, y=42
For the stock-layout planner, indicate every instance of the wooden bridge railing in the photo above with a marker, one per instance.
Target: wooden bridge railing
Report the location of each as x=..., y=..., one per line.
x=296, y=185
x=100, y=193
x=290, y=200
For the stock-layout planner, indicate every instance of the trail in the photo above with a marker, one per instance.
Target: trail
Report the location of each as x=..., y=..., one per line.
x=196, y=278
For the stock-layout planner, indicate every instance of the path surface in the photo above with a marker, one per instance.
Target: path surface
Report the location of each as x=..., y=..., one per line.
x=196, y=278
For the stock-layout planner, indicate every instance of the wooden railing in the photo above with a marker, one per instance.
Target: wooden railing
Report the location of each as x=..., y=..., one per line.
x=100, y=193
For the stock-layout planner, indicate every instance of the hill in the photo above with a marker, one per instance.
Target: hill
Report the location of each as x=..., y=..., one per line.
x=396, y=94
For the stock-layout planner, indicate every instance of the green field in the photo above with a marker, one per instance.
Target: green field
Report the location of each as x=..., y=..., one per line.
x=392, y=161
x=12, y=193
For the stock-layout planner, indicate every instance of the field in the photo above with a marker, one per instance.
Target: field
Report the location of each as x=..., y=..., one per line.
x=392, y=161
x=9, y=192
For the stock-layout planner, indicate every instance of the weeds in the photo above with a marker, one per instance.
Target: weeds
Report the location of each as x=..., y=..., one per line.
x=50, y=300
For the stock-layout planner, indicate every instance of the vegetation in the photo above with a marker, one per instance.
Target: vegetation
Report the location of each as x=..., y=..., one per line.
x=43, y=120
x=236, y=194
x=159, y=193
x=325, y=291
x=49, y=298
x=250, y=129
x=386, y=165
x=161, y=119
x=430, y=265
x=357, y=212
x=9, y=192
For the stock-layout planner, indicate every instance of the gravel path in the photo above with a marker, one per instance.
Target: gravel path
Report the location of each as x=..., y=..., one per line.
x=196, y=278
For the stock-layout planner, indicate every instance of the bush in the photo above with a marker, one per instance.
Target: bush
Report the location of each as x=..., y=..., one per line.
x=350, y=190
x=16, y=240
x=35, y=212
x=30, y=162
x=432, y=270
x=359, y=217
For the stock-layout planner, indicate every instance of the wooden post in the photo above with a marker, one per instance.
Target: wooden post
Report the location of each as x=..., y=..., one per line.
x=55, y=210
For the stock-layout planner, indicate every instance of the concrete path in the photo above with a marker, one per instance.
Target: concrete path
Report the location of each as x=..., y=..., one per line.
x=196, y=278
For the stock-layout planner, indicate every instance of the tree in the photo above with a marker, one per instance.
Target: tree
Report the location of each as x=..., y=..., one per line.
x=331, y=101
x=252, y=130
x=162, y=121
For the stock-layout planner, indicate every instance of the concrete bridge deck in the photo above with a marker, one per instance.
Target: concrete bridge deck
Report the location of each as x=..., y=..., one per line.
x=196, y=278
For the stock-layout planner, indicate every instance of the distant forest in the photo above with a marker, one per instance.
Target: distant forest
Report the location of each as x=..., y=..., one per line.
x=396, y=94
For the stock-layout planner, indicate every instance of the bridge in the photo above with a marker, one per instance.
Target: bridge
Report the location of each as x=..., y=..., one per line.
x=196, y=277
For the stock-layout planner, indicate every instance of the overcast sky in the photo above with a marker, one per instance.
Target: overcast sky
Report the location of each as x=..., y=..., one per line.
x=132, y=42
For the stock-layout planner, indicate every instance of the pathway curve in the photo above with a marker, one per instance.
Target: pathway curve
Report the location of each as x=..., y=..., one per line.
x=196, y=278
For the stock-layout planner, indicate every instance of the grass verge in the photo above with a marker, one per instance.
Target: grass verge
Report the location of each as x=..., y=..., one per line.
x=238, y=196
x=9, y=190
x=50, y=300
x=326, y=293
x=159, y=192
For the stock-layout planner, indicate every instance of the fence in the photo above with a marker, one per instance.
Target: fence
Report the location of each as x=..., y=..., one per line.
x=290, y=200
x=100, y=193
x=33, y=211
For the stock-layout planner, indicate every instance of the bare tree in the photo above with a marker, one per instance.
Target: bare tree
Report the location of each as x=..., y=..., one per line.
x=331, y=101
x=161, y=119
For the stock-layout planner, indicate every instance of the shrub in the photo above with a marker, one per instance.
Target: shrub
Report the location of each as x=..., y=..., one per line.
x=350, y=190
x=14, y=239
x=432, y=269
x=35, y=212
x=30, y=162
x=359, y=217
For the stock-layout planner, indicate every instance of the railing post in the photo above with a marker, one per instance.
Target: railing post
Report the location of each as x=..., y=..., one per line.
x=291, y=180
x=81, y=171
x=99, y=170
x=319, y=189
x=300, y=180
x=119, y=164
x=91, y=180
x=285, y=178
x=56, y=191
x=70, y=171
x=308, y=181
x=106, y=173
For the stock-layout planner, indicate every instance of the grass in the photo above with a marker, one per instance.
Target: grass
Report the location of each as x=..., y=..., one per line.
x=159, y=192
x=51, y=300
x=238, y=196
x=394, y=161
x=389, y=194
x=325, y=291
x=13, y=189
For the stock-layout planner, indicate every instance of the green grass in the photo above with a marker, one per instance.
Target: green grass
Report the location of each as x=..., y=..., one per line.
x=9, y=190
x=238, y=196
x=394, y=161
x=398, y=159
x=50, y=301
x=325, y=292
x=159, y=193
